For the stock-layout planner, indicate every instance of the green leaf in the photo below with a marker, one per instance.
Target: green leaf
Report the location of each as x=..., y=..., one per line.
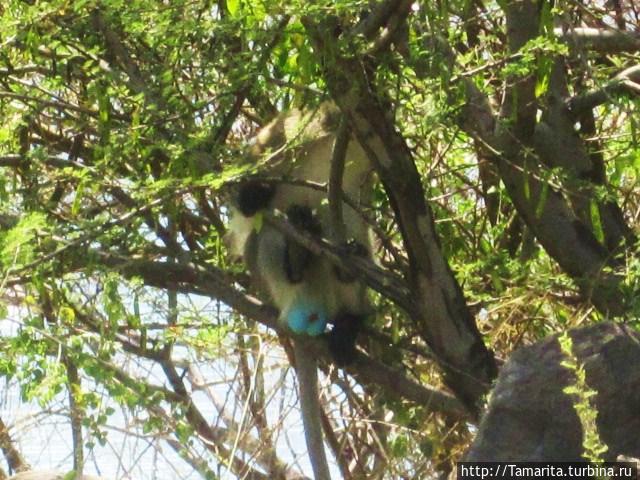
x=234, y=7
x=78, y=196
x=542, y=200
x=18, y=244
x=596, y=221
x=545, y=66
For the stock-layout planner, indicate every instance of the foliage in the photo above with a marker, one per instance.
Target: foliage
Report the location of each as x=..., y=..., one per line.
x=594, y=447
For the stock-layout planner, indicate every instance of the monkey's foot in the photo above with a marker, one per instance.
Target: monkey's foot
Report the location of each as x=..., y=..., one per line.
x=304, y=218
x=342, y=338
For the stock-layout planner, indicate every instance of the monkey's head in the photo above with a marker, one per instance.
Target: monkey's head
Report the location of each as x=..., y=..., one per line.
x=245, y=200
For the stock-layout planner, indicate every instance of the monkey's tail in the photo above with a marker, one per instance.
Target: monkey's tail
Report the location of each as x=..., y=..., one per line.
x=307, y=370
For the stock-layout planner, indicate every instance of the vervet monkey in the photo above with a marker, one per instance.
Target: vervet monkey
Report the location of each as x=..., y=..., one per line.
x=309, y=290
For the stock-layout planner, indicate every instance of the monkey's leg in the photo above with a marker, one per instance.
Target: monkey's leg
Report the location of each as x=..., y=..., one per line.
x=346, y=325
x=297, y=257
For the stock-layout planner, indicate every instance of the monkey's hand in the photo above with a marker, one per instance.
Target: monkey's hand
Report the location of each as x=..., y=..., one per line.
x=355, y=248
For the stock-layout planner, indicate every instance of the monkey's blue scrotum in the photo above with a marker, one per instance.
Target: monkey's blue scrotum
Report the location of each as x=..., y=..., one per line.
x=307, y=318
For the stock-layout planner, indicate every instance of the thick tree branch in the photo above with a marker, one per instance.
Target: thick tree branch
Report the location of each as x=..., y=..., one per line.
x=601, y=40
x=558, y=146
x=380, y=280
x=626, y=82
x=563, y=235
x=441, y=313
x=191, y=279
x=16, y=461
x=544, y=209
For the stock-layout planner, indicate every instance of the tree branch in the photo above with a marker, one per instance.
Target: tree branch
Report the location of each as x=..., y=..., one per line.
x=601, y=40
x=307, y=370
x=16, y=461
x=567, y=240
x=441, y=312
x=626, y=82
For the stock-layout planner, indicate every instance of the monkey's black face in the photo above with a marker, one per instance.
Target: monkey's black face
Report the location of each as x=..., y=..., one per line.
x=253, y=196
